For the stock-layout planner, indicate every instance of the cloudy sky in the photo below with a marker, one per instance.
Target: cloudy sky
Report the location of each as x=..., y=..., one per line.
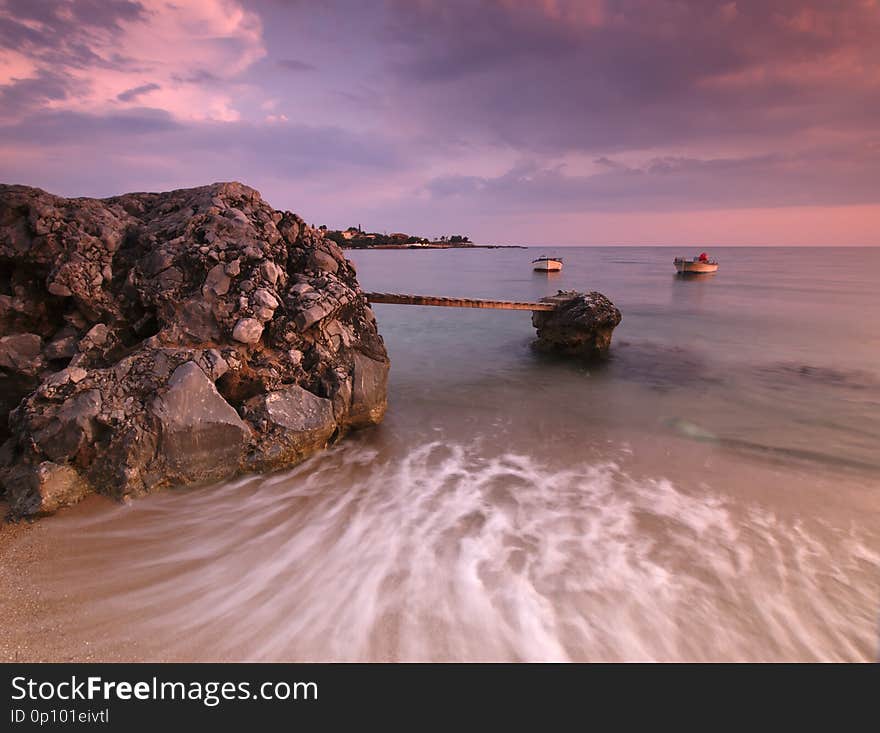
x=515, y=121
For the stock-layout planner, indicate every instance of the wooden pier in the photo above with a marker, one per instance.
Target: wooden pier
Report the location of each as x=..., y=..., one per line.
x=568, y=323
x=437, y=300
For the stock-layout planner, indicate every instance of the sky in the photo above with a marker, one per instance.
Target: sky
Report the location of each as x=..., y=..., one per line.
x=747, y=122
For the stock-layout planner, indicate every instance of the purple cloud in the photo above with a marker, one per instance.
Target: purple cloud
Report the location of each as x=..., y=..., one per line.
x=830, y=178
x=295, y=65
x=478, y=112
x=130, y=95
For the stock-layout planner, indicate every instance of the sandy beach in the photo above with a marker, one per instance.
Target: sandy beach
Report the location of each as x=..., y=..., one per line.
x=22, y=553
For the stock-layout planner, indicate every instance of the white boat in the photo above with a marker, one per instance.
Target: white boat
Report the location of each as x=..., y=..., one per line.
x=547, y=264
x=698, y=265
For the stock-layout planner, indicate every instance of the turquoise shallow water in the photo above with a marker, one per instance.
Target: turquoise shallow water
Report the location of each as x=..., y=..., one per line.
x=711, y=491
x=780, y=350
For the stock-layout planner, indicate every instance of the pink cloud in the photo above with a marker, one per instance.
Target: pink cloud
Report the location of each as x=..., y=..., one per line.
x=581, y=13
x=794, y=226
x=609, y=113
x=167, y=49
x=15, y=65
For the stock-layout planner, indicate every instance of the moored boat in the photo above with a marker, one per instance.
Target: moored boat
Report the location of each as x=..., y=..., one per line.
x=698, y=265
x=547, y=264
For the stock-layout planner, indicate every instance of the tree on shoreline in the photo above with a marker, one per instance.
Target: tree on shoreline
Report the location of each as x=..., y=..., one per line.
x=355, y=237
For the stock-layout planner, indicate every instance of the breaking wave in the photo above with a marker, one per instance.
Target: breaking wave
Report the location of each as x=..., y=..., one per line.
x=446, y=554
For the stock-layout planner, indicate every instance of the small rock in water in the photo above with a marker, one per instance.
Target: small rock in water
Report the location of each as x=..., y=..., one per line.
x=581, y=325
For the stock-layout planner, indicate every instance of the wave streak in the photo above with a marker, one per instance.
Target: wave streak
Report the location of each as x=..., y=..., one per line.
x=449, y=555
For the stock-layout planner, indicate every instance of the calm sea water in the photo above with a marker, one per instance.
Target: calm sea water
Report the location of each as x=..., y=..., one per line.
x=711, y=491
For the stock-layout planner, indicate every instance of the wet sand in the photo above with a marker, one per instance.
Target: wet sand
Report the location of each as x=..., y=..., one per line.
x=35, y=623
x=23, y=552
x=456, y=551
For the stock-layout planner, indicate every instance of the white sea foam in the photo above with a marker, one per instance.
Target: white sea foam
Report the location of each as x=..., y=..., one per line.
x=447, y=554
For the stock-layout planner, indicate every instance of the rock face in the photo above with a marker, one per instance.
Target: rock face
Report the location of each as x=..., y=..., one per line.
x=43, y=489
x=580, y=326
x=152, y=339
x=201, y=436
x=295, y=419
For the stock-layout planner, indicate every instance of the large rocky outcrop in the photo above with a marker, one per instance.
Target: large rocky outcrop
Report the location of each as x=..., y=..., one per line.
x=580, y=326
x=155, y=339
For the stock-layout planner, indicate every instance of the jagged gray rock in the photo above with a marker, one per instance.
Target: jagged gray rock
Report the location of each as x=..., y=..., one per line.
x=20, y=353
x=299, y=422
x=154, y=339
x=247, y=330
x=201, y=436
x=43, y=489
x=581, y=325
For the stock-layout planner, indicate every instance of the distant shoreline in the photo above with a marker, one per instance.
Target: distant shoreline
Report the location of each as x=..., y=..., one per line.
x=440, y=245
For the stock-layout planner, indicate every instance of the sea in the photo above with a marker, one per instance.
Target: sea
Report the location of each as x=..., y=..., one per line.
x=709, y=492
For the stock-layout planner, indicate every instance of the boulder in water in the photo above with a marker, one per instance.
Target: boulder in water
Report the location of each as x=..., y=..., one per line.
x=581, y=324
